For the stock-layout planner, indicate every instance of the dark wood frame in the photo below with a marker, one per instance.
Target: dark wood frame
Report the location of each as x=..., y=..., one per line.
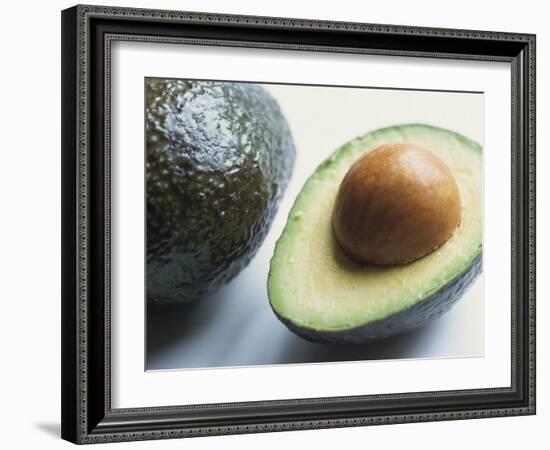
x=87, y=32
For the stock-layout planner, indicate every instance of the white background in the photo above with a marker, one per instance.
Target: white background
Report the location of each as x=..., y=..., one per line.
x=30, y=229
x=132, y=387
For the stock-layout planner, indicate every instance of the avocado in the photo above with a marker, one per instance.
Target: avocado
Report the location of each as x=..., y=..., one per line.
x=219, y=156
x=323, y=295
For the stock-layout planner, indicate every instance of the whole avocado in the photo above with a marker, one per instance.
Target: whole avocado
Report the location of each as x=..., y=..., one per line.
x=219, y=156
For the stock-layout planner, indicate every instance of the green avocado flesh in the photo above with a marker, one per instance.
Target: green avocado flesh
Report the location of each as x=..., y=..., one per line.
x=322, y=295
x=219, y=157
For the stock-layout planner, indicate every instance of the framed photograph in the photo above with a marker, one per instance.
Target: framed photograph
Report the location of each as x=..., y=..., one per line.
x=279, y=224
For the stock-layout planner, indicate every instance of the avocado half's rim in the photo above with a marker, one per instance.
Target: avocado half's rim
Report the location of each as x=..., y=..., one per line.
x=472, y=265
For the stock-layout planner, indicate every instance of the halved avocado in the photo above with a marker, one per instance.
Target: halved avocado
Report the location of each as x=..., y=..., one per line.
x=321, y=294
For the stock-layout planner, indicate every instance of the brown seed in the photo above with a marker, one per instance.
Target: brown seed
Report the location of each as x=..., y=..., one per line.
x=397, y=203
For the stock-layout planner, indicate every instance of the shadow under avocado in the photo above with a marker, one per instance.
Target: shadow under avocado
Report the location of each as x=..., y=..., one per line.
x=297, y=350
x=235, y=327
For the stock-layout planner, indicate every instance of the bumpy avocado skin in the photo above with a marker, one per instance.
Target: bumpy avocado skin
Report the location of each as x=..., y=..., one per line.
x=417, y=315
x=219, y=157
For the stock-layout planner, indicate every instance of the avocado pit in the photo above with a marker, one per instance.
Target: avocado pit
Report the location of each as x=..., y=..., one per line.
x=397, y=203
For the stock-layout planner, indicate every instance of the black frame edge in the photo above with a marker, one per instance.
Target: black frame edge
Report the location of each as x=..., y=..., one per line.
x=69, y=304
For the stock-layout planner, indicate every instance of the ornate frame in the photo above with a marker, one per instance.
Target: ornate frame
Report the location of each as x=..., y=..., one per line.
x=87, y=33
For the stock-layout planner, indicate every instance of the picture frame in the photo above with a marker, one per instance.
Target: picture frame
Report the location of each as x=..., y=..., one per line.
x=87, y=35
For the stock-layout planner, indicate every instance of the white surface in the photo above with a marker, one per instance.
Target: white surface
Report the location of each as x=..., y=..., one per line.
x=236, y=326
x=29, y=331
x=132, y=387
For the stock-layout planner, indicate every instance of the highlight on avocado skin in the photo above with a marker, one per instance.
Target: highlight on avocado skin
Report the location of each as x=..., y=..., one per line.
x=293, y=224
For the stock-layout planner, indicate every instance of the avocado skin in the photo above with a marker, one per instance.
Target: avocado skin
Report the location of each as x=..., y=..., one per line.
x=219, y=156
x=417, y=315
